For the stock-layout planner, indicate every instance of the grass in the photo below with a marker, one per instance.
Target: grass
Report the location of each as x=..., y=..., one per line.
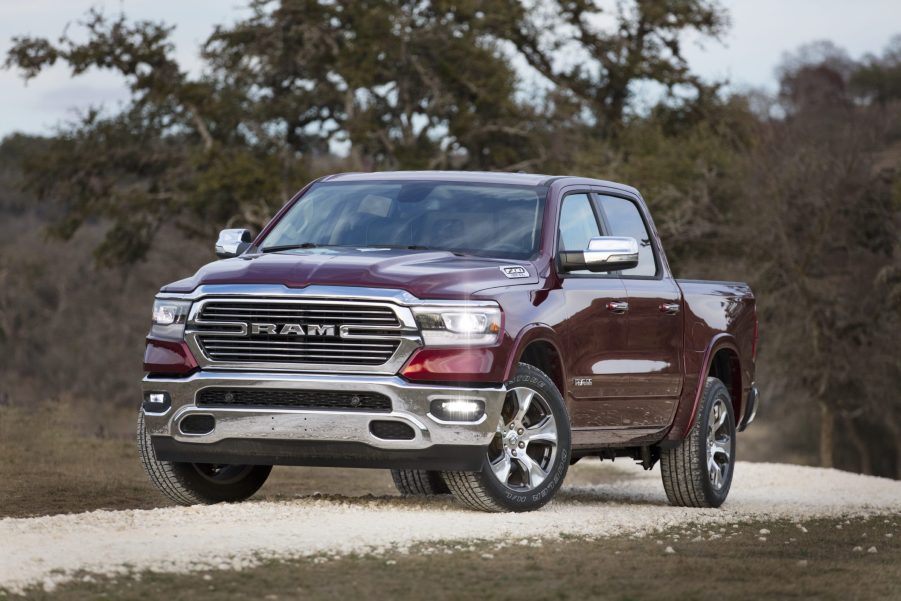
x=733, y=564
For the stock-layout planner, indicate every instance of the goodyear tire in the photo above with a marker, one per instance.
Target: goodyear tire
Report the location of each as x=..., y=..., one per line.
x=698, y=472
x=199, y=483
x=527, y=460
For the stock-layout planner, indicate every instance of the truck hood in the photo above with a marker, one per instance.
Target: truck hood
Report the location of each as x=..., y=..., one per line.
x=425, y=274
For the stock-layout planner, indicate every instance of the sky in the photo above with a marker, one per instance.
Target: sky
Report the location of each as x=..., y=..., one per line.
x=762, y=31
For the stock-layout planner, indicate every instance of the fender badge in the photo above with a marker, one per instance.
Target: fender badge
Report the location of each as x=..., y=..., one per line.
x=582, y=381
x=514, y=271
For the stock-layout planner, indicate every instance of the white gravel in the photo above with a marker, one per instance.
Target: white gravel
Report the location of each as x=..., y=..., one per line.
x=49, y=550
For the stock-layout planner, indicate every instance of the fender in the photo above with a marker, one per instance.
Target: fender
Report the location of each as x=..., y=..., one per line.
x=534, y=332
x=685, y=418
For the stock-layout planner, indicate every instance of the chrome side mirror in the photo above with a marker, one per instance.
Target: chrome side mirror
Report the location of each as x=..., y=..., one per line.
x=607, y=253
x=232, y=243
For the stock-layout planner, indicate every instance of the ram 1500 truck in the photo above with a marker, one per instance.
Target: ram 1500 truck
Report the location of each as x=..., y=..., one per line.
x=476, y=333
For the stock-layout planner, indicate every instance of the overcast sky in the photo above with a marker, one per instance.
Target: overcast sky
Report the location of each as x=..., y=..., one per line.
x=762, y=30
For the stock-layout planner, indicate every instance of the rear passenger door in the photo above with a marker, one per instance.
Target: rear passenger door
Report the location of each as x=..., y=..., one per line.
x=650, y=368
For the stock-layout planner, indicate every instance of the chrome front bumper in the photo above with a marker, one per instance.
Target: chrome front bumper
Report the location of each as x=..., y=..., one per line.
x=263, y=426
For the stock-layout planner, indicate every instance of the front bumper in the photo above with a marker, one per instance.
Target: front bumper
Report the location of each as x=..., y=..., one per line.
x=290, y=436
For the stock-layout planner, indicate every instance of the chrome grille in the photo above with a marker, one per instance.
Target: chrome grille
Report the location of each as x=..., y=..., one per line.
x=260, y=348
x=363, y=335
x=299, y=312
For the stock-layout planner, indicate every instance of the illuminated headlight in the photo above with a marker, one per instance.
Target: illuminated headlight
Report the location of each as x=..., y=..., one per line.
x=169, y=317
x=457, y=410
x=458, y=326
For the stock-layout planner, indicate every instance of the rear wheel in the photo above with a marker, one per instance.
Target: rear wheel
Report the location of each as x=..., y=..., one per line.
x=529, y=455
x=698, y=472
x=199, y=483
x=419, y=483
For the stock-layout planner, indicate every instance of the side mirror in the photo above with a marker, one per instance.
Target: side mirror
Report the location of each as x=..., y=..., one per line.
x=607, y=253
x=232, y=243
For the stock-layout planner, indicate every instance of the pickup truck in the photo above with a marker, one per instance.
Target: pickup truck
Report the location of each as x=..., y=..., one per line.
x=475, y=333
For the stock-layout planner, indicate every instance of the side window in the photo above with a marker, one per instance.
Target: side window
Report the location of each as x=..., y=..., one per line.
x=578, y=224
x=624, y=219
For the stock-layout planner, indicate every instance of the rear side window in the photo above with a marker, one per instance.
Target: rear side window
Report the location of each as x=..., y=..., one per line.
x=624, y=219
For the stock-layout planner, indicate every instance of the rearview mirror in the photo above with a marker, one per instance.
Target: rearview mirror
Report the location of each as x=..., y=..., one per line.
x=607, y=253
x=232, y=243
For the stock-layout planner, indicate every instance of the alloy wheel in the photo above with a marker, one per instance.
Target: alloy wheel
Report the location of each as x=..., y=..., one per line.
x=719, y=444
x=525, y=445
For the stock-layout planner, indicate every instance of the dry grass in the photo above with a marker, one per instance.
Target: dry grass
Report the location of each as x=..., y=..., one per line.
x=58, y=458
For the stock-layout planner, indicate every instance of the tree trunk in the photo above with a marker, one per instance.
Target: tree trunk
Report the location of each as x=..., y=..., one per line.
x=862, y=448
x=827, y=435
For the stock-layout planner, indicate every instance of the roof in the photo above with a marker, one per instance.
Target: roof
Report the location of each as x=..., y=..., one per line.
x=478, y=177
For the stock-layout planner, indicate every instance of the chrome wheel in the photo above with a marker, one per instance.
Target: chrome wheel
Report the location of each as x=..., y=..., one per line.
x=719, y=445
x=525, y=445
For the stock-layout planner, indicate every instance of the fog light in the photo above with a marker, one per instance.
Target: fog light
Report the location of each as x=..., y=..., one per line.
x=156, y=402
x=458, y=410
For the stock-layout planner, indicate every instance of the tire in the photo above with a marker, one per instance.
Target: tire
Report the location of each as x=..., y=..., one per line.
x=199, y=483
x=419, y=483
x=504, y=483
x=688, y=476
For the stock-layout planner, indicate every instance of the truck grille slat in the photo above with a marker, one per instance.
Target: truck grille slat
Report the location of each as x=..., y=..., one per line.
x=233, y=341
x=340, y=333
x=344, y=311
x=224, y=350
x=314, y=318
x=300, y=355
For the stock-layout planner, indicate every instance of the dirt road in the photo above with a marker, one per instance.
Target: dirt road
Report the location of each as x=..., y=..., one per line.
x=598, y=500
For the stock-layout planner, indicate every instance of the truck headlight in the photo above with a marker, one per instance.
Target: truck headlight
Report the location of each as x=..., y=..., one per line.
x=169, y=317
x=458, y=325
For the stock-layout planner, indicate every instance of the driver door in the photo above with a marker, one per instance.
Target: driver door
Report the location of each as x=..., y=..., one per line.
x=595, y=331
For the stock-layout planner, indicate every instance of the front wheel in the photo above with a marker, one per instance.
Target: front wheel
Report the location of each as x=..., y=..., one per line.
x=199, y=483
x=698, y=472
x=529, y=455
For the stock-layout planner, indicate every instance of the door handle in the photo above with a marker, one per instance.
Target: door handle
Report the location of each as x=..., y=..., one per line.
x=618, y=307
x=670, y=308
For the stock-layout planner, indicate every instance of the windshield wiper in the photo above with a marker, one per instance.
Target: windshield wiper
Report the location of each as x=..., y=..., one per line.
x=269, y=249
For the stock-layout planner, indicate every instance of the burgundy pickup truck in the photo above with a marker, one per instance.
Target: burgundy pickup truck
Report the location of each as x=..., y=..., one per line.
x=476, y=333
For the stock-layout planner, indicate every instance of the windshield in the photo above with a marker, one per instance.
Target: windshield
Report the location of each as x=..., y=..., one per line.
x=480, y=219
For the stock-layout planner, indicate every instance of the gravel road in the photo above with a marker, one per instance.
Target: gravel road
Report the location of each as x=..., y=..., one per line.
x=600, y=499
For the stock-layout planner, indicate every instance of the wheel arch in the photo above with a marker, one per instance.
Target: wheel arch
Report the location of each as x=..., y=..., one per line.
x=725, y=365
x=536, y=345
x=722, y=360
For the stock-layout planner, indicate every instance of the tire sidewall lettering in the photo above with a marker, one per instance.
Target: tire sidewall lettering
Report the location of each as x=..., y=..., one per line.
x=543, y=494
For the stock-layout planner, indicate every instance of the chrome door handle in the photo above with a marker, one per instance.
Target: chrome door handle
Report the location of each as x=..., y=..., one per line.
x=670, y=308
x=618, y=307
